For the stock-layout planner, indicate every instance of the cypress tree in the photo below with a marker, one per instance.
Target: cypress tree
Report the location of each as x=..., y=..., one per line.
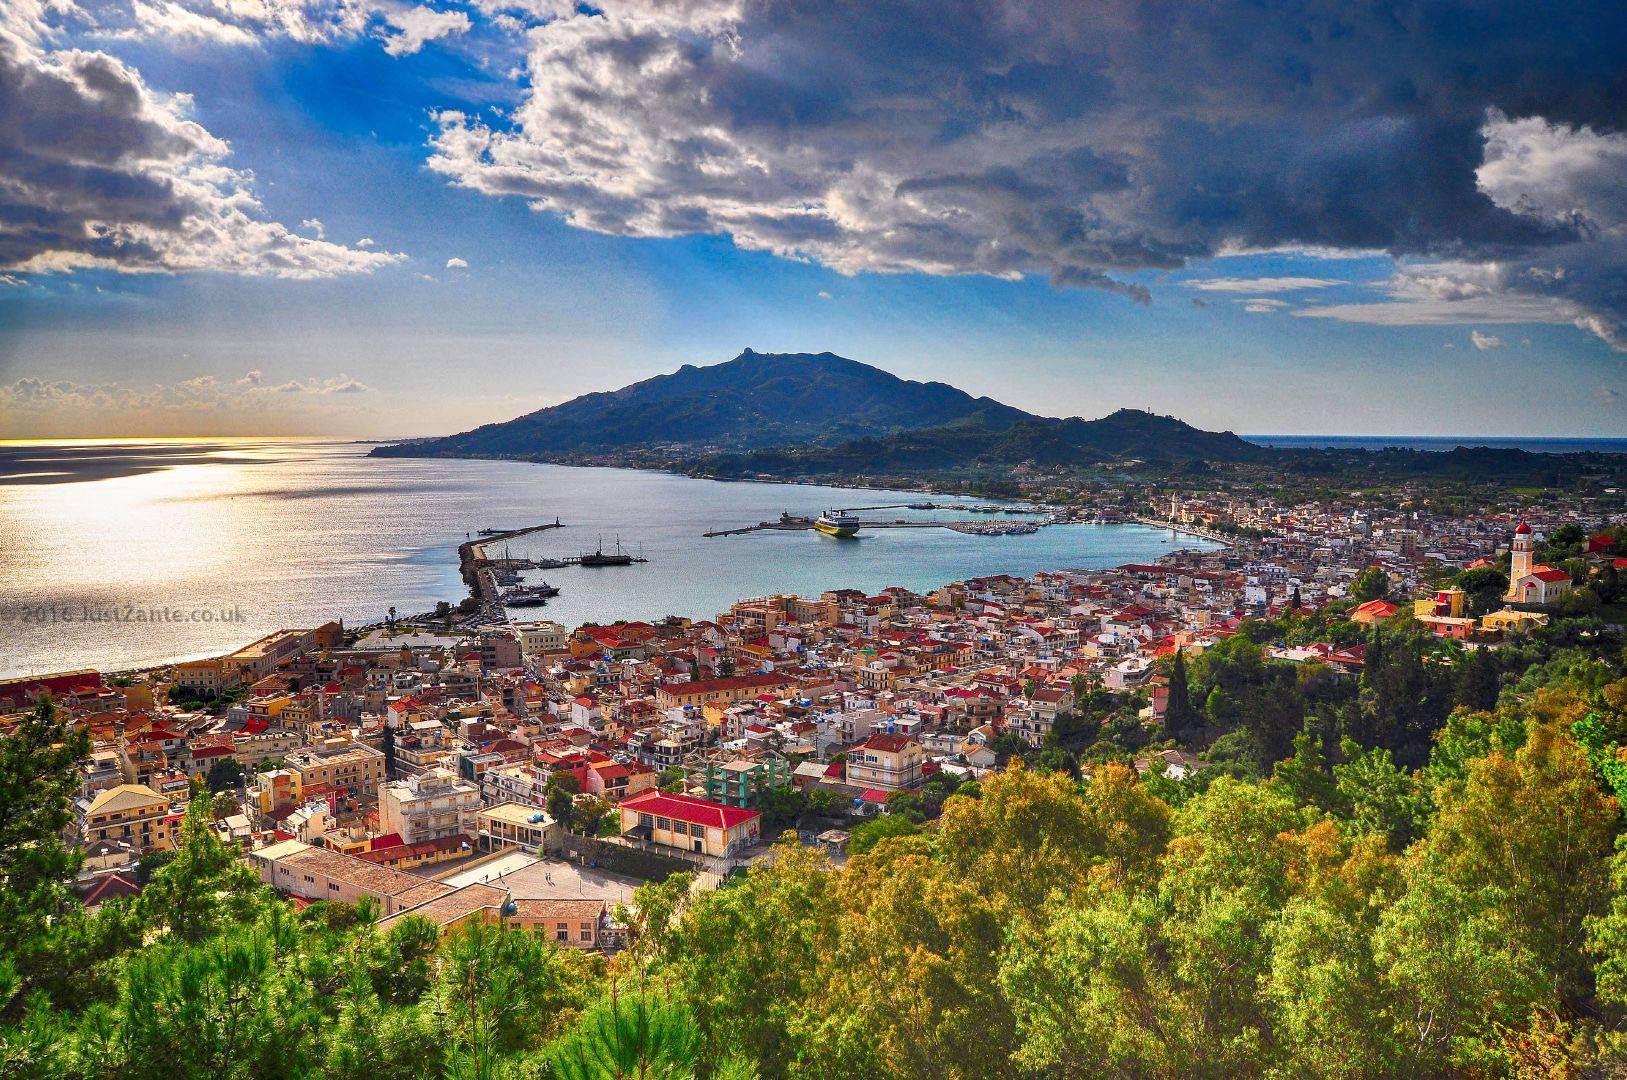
x=1178, y=709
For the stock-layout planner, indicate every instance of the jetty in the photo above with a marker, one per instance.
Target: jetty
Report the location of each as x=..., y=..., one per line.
x=1187, y=530
x=478, y=569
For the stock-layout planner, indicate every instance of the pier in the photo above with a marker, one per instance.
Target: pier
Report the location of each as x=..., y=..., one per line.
x=1187, y=530
x=478, y=571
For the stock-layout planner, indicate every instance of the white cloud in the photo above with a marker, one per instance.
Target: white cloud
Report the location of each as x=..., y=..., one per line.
x=315, y=226
x=108, y=173
x=1262, y=285
x=824, y=294
x=338, y=384
x=13, y=281
x=1260, y=305
x=171, y=20
x=416, y=26
x=455, y=263
x=1485, y=342
x=33, y=403
x=1572, y=175
x=365, y=242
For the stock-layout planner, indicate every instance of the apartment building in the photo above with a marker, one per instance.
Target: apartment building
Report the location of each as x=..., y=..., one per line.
x=518, y=825
x=338, y=765
x=428, y=806
x=134, y=813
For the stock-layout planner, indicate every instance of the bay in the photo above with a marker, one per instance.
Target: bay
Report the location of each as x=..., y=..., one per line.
x=123, y=554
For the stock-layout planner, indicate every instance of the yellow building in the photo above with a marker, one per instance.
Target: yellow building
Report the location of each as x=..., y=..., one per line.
x=885, y=762
x=688, y=824
x=712, y=691
x=1509, y=619
x=134, y=813
x=202, y=676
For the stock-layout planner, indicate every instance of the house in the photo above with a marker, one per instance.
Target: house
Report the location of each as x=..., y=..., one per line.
x=689, y=824
x=133, y=813
x=314, y=873
x=887, y=762
x=1374, y=611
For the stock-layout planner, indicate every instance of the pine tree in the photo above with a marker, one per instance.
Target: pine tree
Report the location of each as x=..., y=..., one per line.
x=38, y=777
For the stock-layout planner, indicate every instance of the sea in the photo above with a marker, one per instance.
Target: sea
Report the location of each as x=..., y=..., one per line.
x=1442, y=443
x=129, y=553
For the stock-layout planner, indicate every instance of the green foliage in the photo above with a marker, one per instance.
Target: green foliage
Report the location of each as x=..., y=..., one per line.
x=224, y=773
x=867, y=834
x=38, y=777
x=204, y=886
x=1371, y=584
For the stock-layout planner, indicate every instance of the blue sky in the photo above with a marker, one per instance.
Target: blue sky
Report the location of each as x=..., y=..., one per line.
x=714, y=196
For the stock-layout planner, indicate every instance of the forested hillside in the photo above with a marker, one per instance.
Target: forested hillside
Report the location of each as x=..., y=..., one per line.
x=1411, y=872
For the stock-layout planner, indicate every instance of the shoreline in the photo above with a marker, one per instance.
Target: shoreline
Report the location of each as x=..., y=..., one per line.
x=402, y=624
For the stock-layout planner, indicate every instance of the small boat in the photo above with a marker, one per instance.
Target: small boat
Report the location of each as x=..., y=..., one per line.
x=836, y=523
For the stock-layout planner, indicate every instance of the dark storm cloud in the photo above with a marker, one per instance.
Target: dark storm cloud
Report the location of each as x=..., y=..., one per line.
x=1074, y=140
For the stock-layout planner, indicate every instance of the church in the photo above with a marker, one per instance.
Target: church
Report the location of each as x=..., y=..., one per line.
x=1532, y=584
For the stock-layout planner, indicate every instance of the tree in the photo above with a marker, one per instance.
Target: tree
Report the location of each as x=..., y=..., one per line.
x=38, y=776
x=782, y=807
x=632, y=1034
x=867, y=834
x=562, y=789
x=824, y=802
x=1484, y=588
x=1383, y=800
x=1179, y=715
x=1371, y=584
x=223, y=805
x=205, y=886
x=672, y=780
x=223, y=773
x=501, y=991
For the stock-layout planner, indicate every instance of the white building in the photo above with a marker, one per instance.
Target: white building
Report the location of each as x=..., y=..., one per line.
x=428, y=806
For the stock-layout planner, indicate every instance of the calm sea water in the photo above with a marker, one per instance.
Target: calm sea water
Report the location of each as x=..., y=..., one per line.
x=98, y=541
x=1443, y=443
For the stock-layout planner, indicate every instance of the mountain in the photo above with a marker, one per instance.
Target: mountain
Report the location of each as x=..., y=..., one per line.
x=755, y=400
x=1129, y=436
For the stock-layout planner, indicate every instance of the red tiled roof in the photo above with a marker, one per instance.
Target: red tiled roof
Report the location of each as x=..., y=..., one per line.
x=689, y=809
x=887, y=744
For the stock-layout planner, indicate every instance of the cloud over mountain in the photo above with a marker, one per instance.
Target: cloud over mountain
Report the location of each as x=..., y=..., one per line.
x=1082, y=142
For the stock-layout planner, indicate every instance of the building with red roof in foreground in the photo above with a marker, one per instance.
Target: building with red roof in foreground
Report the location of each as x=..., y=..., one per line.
x=693, y=825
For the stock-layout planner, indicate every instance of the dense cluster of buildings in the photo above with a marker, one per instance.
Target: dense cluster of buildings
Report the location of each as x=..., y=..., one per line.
x=419, y=770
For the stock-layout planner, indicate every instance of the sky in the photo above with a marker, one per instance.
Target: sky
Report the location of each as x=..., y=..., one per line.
x=379, y=218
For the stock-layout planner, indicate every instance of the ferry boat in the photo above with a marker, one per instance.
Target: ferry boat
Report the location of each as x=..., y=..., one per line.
x=529, y=595
x=836, y=523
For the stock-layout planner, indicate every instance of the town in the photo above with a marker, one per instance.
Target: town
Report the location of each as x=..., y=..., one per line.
x=535, y=775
